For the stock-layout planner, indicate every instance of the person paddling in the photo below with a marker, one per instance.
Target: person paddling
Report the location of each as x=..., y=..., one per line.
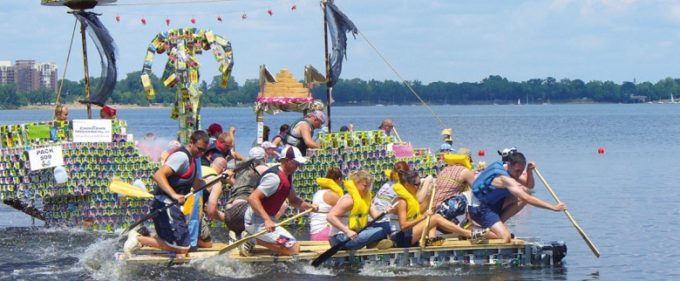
x=351, y=213
x=275, y=186
x=497, y=191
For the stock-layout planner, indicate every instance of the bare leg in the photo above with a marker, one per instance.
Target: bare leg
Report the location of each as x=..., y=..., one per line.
x=448, y=226
x=156, y=242
x=502, y=231
x=511, y=207
x=279, y=249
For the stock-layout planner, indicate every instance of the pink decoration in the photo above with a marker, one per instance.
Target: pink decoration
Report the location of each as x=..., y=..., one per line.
x=283, y=100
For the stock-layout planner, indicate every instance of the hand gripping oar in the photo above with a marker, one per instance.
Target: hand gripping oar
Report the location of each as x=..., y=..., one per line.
x=427, y=221
x=592, y=246
x=333, y=250
x=156, y=212
x=258, y=234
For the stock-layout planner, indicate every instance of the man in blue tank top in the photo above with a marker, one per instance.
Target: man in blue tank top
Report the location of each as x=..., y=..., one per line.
x=500, y=192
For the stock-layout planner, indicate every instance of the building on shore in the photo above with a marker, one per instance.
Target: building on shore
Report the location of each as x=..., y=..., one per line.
x=28, y=75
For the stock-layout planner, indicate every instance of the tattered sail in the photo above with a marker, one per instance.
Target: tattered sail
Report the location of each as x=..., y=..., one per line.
x=338, y=25
x=105, y=46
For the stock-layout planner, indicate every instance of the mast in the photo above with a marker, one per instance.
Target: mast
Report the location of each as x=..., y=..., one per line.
x=328, y=64
x=86, y=71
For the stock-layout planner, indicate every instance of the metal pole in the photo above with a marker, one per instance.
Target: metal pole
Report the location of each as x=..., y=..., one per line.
x=87, y=74
x=328, y=65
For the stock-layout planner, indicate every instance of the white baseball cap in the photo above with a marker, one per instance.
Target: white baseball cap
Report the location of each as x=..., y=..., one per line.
x=292, y=152
x=256, y=153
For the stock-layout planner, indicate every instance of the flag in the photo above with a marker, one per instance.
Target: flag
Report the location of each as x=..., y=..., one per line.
x=338, y=25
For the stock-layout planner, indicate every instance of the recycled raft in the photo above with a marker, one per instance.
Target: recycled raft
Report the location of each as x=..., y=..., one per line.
x=453, y=252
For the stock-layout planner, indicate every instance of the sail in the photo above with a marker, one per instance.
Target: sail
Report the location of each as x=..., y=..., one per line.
x=105, y=46
x=338, y=25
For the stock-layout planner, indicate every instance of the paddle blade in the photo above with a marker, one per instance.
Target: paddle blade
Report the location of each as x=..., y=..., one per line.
x=127, y=189
x=327, y=255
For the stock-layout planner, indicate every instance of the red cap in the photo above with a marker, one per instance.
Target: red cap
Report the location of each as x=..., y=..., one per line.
x=214, y=129
x=109, y=110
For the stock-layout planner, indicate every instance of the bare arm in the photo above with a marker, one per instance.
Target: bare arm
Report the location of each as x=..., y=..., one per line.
x=211, y=209
x=517, y=190
x=255, y=201
x=161, y=179
x=344, y=205
x=306, y=133
x=402, y=213
x=468, y=177
x=298, y=202
x=331, y=198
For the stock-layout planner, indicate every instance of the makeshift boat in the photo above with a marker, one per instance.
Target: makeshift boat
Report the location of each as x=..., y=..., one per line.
x=453, y=252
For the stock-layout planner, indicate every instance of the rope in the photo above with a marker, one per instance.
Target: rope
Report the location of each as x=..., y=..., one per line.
x=68, y=57
x=403, y=81
x=168, y=3
x=441, y=123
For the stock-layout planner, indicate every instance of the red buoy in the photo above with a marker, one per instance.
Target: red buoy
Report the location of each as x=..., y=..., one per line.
x=481, y=153
x=219, y=18
x=117, y=18
x=600, y=150
x=167, y=21
x=143, y=20
x=193, y=21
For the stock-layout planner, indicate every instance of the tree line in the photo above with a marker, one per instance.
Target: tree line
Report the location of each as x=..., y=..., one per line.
x=493, y=89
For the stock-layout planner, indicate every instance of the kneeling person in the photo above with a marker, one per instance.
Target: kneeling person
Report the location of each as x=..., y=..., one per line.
x=355, y=207
x=275, y=186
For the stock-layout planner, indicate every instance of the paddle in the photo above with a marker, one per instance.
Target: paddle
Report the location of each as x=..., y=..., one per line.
x=124, y=188
x=590, y=244
x=427, y=222
x=333, y=250
x=258, y=234
x=156, y=212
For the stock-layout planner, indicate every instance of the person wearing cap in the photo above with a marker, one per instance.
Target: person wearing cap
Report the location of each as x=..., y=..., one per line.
x=108, y=112
x=301, y=131
x=214, y=130
x=500, y=194
x=274, y=187
x=243, y=184
x=270, y=149
x=222, y=147
x=447, y=146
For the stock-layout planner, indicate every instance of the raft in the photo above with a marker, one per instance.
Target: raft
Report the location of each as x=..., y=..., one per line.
x=517, y=253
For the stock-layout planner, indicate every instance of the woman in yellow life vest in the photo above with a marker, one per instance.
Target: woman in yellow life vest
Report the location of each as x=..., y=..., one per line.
x=412, y=214
x=350, y=215
x=328, y=194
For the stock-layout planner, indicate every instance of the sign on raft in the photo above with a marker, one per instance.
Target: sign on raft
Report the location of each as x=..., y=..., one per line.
x=92, y=131
x=45, y=157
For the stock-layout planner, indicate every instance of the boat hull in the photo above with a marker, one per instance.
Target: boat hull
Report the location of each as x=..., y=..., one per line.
x=452, y=252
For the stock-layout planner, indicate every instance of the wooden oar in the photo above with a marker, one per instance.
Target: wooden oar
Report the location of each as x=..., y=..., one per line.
x=590, y=244
x=423, y=235
x=258, y=234
x=124, y=188
x=155, y=213
x=333, y=250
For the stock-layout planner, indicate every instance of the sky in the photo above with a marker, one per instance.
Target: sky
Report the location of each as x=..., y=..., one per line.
x=447, y=40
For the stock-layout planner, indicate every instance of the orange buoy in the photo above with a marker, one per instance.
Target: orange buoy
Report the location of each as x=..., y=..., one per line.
x=481, y=153
x=600, y=150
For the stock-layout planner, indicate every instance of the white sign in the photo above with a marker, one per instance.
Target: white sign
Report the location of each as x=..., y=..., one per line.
x=45, y=157
x=92, y=131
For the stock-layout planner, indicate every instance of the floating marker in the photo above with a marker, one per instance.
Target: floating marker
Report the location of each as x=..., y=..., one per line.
x=481, y=153
x=600, y=150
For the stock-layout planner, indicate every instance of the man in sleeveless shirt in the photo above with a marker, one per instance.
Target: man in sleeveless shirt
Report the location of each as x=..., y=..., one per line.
x=301, y=131
x=275, y=186
x=173, y=180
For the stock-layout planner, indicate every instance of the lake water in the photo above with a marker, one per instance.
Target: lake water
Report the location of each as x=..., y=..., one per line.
x=626, y=200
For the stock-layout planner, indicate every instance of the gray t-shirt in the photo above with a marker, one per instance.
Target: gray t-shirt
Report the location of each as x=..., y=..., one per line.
x=179, y=163
x=268, y=186
x=383, y=200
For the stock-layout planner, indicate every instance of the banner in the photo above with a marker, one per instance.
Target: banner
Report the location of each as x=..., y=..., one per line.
x=92, y=130
x=45, y=157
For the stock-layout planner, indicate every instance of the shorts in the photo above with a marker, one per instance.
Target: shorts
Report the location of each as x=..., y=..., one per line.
x=453, y=209
x=402, y=239
x=170, y=225
x=280, y=236
x=487, y=215
x=322, y=235
x=233, y=217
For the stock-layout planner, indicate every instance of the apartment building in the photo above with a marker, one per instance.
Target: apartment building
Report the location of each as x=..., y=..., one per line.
x=28, y=75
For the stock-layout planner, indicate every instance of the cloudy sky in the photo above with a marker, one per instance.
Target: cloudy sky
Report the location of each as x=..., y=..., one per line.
x=447, y=40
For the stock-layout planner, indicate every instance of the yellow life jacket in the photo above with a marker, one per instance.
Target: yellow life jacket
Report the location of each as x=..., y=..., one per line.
x=412, y=205
x=458, y=159
x=358, y=216
x=330, y=184
x=188, y=205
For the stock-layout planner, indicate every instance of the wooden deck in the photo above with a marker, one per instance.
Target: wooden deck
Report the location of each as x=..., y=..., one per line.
x=453, y=251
